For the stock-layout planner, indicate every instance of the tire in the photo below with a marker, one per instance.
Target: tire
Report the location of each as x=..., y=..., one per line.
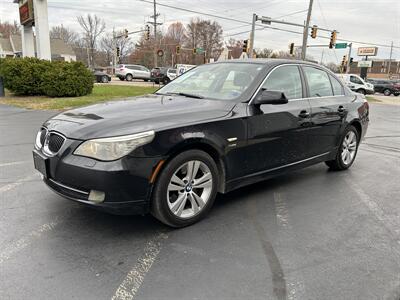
x=104, y=79
x=145, y=80
x=387, y=92
x=342, y=161
x=166, y=80
x=361, y=91
x=128, y=77
x=396, y=94
x=178, y=203
x=156, y=81
x=121, y=78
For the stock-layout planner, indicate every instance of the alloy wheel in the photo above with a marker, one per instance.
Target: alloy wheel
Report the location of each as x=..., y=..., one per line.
x=349, y=148
x=189, y=189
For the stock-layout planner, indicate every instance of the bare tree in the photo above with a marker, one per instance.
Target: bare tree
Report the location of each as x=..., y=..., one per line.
x=93, y=27
x=124, y=44
x=66, y=34
x=263, y=53
x=7, y=29
x=205, y=34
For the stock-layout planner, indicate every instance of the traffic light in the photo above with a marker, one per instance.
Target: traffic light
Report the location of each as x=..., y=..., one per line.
x=291, y=48
x=178, y=49
x=333, y=39
x=118, y=51
x=147, y=32
x=126, y=32
x=344, y=60
x=314, y=30
x=194, y=50
x=245, y=45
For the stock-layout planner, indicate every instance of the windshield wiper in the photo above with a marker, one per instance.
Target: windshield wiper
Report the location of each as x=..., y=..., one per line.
x=186, y=95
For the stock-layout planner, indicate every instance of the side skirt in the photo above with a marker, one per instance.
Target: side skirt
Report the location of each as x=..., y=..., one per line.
x=263, y=175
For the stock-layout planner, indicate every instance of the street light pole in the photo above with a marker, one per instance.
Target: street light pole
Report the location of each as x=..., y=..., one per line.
x=305, y=32
x=253, y=29
x=155, y=33
x=390, y=57
x=348, y=59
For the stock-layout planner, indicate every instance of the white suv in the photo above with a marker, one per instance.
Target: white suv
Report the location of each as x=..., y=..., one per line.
x=130, y=72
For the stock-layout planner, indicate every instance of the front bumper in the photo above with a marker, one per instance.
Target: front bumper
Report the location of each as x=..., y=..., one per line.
x=125, y=182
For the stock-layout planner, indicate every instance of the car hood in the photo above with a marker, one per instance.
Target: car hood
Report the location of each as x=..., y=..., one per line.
x=133, y=115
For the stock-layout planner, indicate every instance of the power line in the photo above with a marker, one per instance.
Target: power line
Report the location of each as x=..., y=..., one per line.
x=249, y=23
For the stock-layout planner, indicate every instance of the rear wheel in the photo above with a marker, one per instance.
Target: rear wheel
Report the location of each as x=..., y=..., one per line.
x=166, y=80
x=104, y=79
x=387, y=92
x=129, y=77
x=347, y=151
x=185, y=190
x=157, y=81
x=121, y=78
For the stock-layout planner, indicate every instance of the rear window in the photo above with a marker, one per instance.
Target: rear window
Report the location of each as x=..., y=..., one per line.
x=172, y=71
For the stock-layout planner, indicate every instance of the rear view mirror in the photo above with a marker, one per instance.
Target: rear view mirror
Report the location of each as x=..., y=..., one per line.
x=270, y=97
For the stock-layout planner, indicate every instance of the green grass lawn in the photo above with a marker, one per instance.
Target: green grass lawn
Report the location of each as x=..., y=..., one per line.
x=100, y=93
x=372, y=99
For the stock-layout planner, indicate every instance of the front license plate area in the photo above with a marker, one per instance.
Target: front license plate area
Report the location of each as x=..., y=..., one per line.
x=40, y=163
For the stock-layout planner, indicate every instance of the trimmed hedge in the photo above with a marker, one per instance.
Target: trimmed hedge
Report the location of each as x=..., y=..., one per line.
x=32, y=76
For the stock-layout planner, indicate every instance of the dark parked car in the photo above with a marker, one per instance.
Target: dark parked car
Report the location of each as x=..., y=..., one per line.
x=385, y=86
x=101, y=76
x=214, y=129
x=159, y=74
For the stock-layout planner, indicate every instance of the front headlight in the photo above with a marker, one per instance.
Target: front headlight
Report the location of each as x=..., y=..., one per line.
x=114, y=147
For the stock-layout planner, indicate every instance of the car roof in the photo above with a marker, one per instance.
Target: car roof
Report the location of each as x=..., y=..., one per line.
x=269, y=61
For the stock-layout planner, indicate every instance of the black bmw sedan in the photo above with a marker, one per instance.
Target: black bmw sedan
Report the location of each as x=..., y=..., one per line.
x=214, y=129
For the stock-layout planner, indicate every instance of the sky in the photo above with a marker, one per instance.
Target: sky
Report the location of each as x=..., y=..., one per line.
x=370, y=21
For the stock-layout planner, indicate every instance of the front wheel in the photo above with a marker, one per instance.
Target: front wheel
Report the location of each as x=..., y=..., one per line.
x=387, y=92
x=347, y=151
x=361, y=91
x=104, y=79
x=129, y=77
x=185, y=190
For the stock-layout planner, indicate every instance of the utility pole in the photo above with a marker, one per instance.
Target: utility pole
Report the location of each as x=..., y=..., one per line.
x=390, y=57
x=348, y=58
x=322, y=57
x=253, y=28
x=155, y=33
x=305, y=32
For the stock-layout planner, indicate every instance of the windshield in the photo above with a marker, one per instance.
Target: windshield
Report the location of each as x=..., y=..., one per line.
x=223, y=81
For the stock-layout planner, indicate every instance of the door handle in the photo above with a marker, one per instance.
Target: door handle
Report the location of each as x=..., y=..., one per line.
x=304, y=114
x=341, y=109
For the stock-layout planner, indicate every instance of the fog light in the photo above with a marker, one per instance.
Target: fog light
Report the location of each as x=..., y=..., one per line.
x=96, y=196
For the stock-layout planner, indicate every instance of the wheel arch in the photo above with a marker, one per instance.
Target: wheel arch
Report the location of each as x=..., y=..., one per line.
x=357, y=125
x=209, y=148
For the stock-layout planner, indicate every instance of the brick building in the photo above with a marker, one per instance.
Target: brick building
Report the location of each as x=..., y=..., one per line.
x=379, y=69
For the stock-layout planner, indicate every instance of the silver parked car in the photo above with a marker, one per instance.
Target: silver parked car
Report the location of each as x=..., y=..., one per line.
x=130, y=72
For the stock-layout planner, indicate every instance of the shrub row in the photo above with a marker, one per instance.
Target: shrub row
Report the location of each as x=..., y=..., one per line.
x=32, y=76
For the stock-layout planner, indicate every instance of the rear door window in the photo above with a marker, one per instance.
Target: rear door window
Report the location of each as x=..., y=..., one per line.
x=337, y=87
x=318, y=81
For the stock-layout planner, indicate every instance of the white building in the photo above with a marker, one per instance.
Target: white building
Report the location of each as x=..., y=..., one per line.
x=12, y=47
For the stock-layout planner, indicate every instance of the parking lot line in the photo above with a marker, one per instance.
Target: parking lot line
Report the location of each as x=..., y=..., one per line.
x=128, y=289
x=294, y=287
x=392, y=224
x=13, y=163
x=16, y=183
x=25, y=241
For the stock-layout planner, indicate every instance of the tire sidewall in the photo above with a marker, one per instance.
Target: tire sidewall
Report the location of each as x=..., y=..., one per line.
x=386, y=92
x=159, y=197
x=339, y=155
x=129, y=77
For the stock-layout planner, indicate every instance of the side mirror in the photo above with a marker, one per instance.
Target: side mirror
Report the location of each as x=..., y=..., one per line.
x=270, y=97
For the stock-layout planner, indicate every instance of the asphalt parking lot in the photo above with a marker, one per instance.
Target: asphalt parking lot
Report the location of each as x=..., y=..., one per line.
x=312, y=234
